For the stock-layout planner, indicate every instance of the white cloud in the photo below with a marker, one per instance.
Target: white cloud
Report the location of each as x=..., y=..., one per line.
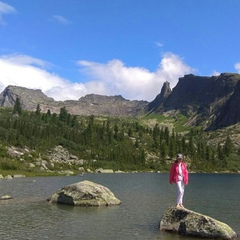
x=5, y=9
x=237, y=67
x=61, y=19
x=26, y=71
x=112, y=78
x=19, y=59
x=216, y=73
x=159, y=44
x=134, y=82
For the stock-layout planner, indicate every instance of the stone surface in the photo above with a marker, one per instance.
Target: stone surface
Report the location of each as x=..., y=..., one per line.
x=188, y=223
x=84, y=193
x=101, y=170
x=8, y=177
x=19, y=176
x=5, y=197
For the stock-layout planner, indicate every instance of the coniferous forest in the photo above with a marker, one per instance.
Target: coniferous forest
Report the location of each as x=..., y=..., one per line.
x=125, y=144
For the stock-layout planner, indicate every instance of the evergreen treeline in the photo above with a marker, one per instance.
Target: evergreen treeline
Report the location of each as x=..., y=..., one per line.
x=120, y=144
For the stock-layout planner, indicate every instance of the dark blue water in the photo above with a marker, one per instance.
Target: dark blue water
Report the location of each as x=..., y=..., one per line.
x=144, y=196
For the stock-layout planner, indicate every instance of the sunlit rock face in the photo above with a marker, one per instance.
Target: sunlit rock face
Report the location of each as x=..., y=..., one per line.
x=85, y=193
x=188, y=223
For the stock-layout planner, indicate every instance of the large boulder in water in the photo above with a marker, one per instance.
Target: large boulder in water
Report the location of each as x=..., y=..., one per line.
x=188, y=223
x=85, y=193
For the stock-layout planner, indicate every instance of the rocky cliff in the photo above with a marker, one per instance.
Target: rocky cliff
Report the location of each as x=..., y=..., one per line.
x=29, y=98
x=230, y=112
x=160, y=98
x=209, y=101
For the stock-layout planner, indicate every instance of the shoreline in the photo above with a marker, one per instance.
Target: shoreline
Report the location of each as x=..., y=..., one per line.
x=23, y=174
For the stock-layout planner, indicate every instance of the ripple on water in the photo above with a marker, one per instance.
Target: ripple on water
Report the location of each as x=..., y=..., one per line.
x=144, y=199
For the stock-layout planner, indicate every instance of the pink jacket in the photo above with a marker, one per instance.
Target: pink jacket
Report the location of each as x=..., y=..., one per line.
x=173, y=178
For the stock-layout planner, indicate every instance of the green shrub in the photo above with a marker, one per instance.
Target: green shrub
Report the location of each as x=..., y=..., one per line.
x=8, y=165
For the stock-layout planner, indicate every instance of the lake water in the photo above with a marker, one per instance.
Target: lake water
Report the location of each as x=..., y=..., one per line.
x=144, y=196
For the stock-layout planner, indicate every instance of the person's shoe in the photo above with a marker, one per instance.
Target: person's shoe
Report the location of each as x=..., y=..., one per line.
x=178, y=206
x=181, y=205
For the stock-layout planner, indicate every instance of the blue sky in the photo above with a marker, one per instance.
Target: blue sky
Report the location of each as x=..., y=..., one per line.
x=70, y=48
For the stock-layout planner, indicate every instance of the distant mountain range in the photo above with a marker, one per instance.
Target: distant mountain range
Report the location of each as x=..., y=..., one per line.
x=213, y=102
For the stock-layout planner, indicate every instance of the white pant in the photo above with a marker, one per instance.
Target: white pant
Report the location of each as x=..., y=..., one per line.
x=180, y=191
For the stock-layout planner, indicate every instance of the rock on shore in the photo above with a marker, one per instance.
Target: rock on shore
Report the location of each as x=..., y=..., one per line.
x=5, y=197
x=188, y=223
x=85, y=193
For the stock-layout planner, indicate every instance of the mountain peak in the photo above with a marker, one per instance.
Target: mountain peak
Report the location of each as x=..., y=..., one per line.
x=165, y=92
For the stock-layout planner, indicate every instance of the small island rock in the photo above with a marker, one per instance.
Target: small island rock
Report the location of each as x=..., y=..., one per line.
x=188, y=223
x=85, y=193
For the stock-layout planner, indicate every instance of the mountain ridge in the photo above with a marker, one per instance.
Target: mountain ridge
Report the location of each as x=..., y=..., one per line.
x=202, y=100
x=212, y=102
x=91, y=104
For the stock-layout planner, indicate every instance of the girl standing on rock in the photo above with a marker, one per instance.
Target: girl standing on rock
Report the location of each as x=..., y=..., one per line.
x=179, y=175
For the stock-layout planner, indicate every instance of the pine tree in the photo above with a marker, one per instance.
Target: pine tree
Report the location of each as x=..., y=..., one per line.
x=156, y=133
x=115, y=131
x=17, y=109
x=38, y=110
x=63, y=116
x=228, y=147
x=163, y=150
